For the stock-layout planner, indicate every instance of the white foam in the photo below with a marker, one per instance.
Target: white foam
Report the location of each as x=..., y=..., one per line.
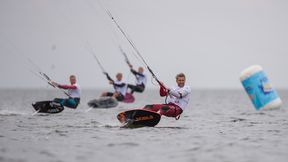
x=11, y=113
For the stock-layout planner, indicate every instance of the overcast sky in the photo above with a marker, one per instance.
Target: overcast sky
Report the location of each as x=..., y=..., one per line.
x=211, y=41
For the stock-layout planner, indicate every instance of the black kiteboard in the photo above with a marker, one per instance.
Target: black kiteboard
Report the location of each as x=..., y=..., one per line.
x=138, y=118
x=103, y=102
x=48, y=107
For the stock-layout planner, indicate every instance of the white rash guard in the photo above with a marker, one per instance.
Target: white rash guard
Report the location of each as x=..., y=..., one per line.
x=180, y=96
x=141, y=79
x=120, y=89
x=74, y=93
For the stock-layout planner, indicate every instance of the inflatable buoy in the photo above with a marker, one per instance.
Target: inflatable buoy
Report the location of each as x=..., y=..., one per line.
x=259, y=88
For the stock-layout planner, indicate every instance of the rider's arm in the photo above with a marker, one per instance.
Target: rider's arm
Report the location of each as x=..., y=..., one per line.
x=108, y=77
x=67, y=86
x=179, y=94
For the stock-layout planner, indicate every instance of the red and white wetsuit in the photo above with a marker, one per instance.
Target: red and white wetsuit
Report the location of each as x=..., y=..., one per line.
x=73, y=90
x=178, y=99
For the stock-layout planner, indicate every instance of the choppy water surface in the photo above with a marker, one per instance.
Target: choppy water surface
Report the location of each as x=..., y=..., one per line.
x=218, y=126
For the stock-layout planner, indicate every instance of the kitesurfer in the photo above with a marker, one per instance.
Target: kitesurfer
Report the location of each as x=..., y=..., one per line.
x=141, y=80
x=73, y=91
x=177, y=98
x=119, y=86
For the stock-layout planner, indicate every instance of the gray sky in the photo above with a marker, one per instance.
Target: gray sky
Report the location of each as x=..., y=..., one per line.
x=211, y=41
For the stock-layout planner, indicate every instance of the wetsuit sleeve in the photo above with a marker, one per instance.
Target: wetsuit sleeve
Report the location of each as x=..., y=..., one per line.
x=67, y=86
x=180, y=94
x=175, y=94
x=119, y=85
x=133, y=71
x=136, y=73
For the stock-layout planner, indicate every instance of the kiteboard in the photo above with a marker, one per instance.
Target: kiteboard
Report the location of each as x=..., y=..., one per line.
x=103, y=102
x=138, y=118
x=129, y=98
x=48, y=107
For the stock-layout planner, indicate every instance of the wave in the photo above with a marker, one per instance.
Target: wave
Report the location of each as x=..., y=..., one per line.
x=11, y=113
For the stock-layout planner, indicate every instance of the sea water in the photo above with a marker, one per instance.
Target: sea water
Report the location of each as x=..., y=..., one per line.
x=218, y=126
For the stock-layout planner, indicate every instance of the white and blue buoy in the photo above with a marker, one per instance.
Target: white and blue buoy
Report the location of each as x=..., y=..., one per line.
x=259, y=89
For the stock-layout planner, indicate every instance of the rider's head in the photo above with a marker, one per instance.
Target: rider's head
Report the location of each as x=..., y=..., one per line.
x=140, y=69
x=180, y=79
x=72, y=79
x=119, y=76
